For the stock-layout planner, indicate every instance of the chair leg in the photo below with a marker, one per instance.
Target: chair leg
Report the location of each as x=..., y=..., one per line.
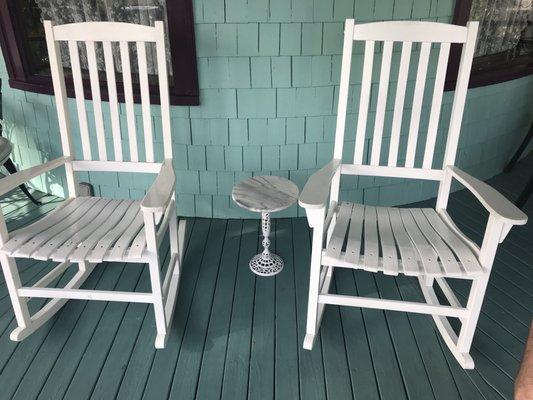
x=12, y=277
x=316, y=219
x=314, y=287
x=475, y=300
x=172, y=278
x=159, y=308
x=312, y=306
x=323, y=288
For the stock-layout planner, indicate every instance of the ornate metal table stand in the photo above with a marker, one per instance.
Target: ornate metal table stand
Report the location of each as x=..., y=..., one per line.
x=266, y=263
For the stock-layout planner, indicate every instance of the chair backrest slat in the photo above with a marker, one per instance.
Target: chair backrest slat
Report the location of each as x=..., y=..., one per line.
x=403, y=71
x=417, y=104
x=80, y=98
x=366, y=85
x=426, y=34
x=459, y=98
x=113, y=101
x=63, y=116
x=97, y=101
x=145, y=101
x=436, y=105
x=128, y=97
x=163, y=87
x=382, y=102
x=344, y=88
x=108, y=46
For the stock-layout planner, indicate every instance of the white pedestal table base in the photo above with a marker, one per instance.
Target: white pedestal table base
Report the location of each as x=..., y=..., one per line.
x=266, y=263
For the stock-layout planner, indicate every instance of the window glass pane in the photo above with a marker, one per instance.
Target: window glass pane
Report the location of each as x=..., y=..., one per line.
x=505, y=26
x=31, y=13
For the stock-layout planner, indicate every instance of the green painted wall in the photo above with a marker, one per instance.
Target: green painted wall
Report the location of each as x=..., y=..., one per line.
x=269, y=72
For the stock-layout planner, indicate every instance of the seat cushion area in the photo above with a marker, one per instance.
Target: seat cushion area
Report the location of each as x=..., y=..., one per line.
x=412, y=241
x=90, y=229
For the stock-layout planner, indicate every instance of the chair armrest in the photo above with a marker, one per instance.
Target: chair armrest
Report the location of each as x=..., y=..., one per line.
x=495, y=203
x=160, y=193
x=316, y=190
x=10, y=182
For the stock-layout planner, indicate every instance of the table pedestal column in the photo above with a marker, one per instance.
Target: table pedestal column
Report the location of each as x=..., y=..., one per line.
x=266, y=263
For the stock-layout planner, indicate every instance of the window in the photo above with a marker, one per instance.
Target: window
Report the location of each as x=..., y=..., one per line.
x=24, y=46
x=504, y=48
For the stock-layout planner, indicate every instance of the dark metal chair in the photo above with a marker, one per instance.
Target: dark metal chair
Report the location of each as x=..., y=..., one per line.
x=5, y=160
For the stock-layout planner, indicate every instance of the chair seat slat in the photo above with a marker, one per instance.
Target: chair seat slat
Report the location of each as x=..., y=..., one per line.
x=428, y=256
x=371, y=246
x=106, y=242
x=63, y=252
x=59, y=223
x=388, y=246
x=87, y=245
x=122, y=244
x=468, y=260
x=411, y=241
x=407, y=251
x=20, y=236
x=445, y=254
x=353, y=247
x=89, y=216
x=137, y=246
x=339, y=231
x=85, y=229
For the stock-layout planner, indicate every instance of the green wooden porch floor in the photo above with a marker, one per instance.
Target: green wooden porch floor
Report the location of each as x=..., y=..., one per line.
x=237, y=336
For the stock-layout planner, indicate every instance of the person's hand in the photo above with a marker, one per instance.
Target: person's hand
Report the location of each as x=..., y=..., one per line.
x=523, y=387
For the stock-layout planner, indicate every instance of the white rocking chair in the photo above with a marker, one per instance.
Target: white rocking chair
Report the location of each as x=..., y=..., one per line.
x=418, y=242
x=89, y=230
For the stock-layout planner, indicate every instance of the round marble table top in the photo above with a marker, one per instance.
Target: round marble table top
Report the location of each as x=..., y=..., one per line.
x=265, y=193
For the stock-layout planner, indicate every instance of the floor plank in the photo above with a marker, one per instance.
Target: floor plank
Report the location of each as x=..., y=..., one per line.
x=237, y=362
x=287, y=344
x=311, y=367
x=60, y=357
x=212, y=363
x=163, y=366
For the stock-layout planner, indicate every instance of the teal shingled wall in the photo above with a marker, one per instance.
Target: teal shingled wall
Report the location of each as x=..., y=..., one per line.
x=269, y=71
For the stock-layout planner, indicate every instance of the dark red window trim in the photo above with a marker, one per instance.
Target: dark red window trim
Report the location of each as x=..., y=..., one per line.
x=183, y=91
x=486, y=70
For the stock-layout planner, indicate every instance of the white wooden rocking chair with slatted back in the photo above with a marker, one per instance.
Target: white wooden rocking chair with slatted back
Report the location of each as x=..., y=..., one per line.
x=424, y=243
x=89, y=230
